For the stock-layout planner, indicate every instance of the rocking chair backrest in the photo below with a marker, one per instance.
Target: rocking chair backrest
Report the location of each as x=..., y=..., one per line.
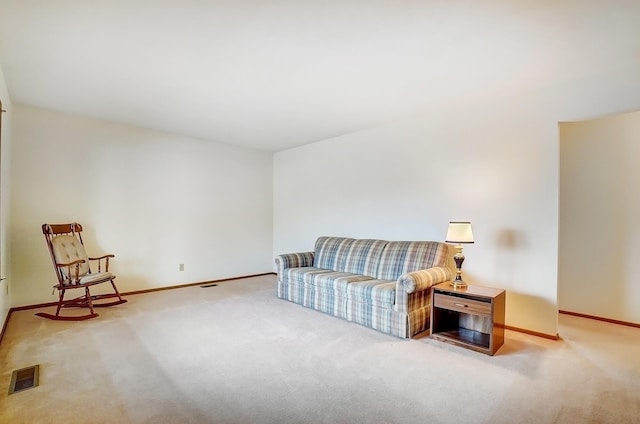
x=66, y=246
x=67, y=249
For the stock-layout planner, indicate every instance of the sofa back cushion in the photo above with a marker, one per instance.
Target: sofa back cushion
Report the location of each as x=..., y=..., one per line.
x=349, y=255
x=363, y=257
x=330, y=251
x=381, y=259
x=399, y=257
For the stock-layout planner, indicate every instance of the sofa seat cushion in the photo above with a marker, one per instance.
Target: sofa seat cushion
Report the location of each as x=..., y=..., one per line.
x=302, y=275
x=336, y=281
x=376, y=292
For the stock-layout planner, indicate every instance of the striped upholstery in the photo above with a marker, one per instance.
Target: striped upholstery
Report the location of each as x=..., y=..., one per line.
x=371, y=303
x=337, y=281
x=424, y=278
x=294, y=260
x=290, y=291
x=400, y=257
x=381, y=319
x=328, y=292
x=330, y=252
x=376, y=292
x=302, y=275
x=288, y=288
x=380, y=284
x=327, y=301
x=363, y=257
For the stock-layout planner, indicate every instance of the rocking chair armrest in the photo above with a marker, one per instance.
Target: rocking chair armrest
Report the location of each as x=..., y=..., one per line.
x=76, y=262
x=102, y=257
x=106, y=264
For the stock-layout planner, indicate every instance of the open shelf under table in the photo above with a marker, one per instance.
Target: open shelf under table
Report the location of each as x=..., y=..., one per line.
x=464, y=335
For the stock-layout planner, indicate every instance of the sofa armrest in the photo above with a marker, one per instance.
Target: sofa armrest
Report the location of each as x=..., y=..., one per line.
x=423, y=279
x=294, y=260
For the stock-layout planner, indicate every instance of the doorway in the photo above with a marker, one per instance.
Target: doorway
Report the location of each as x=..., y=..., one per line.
x=599, y=232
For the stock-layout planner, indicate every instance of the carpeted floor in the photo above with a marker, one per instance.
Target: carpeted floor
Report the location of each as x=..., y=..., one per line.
x=236, y=354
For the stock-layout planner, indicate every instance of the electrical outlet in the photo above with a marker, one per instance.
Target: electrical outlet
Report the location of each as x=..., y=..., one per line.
x=181, y=267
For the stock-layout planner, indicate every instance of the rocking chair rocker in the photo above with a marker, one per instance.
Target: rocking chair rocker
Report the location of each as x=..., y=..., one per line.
x=71, y=265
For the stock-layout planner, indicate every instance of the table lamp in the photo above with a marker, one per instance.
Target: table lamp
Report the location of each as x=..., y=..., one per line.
x=459, y=233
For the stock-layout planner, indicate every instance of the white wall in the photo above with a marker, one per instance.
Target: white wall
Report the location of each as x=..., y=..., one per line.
x=495, y=163
x=5, y=197
x=153, y=199
x=599, y=212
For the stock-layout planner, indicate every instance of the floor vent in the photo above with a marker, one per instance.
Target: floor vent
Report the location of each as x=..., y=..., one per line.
x=25, y=378
x=209, y=285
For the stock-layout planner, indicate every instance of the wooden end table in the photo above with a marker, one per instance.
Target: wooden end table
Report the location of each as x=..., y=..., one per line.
x=471, y=317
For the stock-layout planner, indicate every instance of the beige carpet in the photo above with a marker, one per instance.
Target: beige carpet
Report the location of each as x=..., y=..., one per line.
x=237, y=354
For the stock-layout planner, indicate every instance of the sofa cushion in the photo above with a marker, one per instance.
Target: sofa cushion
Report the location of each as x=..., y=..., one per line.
x=349, y=255
x=363, y=257
x=336, y=281
x=301, y=275
x=330, y=252
x=400, y=257
x=375, y=292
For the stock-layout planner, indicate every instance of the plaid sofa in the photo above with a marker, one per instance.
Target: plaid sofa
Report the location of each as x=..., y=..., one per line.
x=384, y=285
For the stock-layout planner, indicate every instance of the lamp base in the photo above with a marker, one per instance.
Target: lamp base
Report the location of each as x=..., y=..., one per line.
x=458, y=284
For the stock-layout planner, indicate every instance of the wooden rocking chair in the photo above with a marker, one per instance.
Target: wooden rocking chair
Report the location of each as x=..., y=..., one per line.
x=72, y=266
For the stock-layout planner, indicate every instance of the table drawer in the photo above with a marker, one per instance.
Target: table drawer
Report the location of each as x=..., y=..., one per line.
x=461, y=304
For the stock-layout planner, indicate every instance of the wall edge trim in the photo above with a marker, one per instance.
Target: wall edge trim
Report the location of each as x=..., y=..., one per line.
x=533, y=333
x=180, y=286
x=597, y=318
x=4, y=326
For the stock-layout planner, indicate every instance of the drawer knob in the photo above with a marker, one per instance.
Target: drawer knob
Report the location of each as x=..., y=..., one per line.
x=461, y=304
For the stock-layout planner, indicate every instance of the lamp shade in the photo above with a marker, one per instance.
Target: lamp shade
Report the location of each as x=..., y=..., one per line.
x=459, y=232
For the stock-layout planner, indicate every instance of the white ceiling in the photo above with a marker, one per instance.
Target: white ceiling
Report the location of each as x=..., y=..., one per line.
x=274, y=74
